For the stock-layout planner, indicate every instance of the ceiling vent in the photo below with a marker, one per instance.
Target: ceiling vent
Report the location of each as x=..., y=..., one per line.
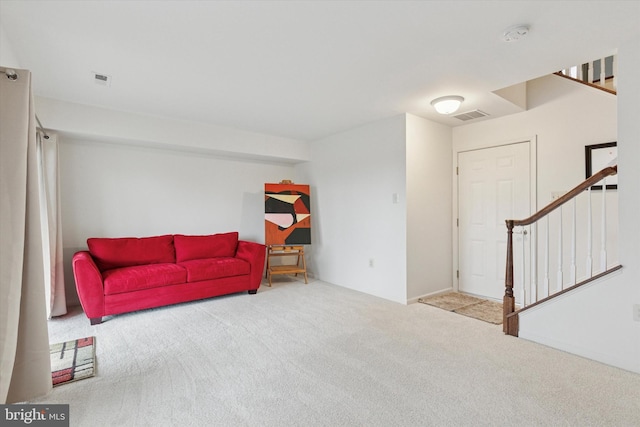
x=102, y=79
x=470, y=115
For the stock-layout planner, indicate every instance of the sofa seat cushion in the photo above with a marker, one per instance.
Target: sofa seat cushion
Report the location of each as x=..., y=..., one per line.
x=215, y=268
x=129, y=279
x=110, y=253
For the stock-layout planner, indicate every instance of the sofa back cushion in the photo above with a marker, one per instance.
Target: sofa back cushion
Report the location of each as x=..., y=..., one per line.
x=112, y=253
x=201, y=247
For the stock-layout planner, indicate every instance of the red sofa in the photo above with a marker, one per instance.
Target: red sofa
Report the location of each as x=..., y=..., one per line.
x=119, y=275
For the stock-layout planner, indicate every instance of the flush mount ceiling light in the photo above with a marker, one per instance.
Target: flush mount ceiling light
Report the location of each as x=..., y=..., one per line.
x=447, y=104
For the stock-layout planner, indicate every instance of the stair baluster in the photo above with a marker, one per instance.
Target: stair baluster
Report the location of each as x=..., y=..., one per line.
x=589, y=261
x=546, y=258
x=603, y=243
x=559, y=277
x=572, y=269
x=534, y=262
x=523, y=282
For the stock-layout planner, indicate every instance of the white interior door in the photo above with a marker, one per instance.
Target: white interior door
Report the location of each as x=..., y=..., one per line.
x=493, y=185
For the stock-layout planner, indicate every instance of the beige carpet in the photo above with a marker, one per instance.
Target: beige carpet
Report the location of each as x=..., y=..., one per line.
x=488, y=311
x=319, y=355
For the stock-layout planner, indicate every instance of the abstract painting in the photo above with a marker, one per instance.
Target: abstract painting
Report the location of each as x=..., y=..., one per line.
x=287, y=214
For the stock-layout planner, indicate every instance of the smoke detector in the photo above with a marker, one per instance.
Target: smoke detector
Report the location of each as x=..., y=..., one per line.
x=513, y=34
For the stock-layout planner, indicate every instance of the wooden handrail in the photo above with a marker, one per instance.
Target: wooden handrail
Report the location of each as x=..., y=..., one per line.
x=593, y=179
x=510, y=323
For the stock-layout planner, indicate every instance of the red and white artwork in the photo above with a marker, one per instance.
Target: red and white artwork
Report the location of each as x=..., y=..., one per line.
x=287, y=214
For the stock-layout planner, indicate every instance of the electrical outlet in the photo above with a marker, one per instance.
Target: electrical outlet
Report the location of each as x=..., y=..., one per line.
x=636, y=312
x=371, y=262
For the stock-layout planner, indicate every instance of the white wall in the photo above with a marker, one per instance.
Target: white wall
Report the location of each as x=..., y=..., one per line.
x=353, y=177
x=429, y=195
x=115, y=190
x=8, y=57
x=597, y=321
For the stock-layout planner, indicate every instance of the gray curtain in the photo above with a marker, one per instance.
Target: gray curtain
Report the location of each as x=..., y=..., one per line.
x=25, y=367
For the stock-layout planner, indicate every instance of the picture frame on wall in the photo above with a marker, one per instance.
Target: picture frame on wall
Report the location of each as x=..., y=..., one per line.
x=598, y=157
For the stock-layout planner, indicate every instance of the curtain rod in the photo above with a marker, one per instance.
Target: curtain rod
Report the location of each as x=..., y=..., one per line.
x=44, y=132
x=13, y=76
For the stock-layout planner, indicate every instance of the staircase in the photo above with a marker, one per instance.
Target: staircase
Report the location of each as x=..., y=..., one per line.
x=553, y=251
x=530, y=278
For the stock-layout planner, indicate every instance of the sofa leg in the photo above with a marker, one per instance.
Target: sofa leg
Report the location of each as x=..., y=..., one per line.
x=95, y=320
x=252, y=291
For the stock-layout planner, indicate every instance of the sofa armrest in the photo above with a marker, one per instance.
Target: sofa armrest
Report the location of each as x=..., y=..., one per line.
x=88, y=284
x=254, y=254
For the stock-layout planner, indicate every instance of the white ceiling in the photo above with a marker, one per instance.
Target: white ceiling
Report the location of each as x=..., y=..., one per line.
x=302, y=69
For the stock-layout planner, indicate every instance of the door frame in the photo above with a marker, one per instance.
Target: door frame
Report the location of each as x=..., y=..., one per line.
x=533, y=188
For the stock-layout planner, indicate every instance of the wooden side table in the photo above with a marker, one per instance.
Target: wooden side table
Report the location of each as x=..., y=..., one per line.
x=300, y=266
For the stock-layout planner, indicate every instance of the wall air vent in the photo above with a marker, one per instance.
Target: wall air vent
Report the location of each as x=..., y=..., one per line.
x=470, y=115
x=102, y=79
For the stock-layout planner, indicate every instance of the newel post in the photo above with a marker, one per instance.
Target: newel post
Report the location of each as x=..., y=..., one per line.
x=508, y=303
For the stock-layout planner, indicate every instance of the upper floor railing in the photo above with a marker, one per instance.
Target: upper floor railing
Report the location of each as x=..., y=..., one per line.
x=600, y=73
